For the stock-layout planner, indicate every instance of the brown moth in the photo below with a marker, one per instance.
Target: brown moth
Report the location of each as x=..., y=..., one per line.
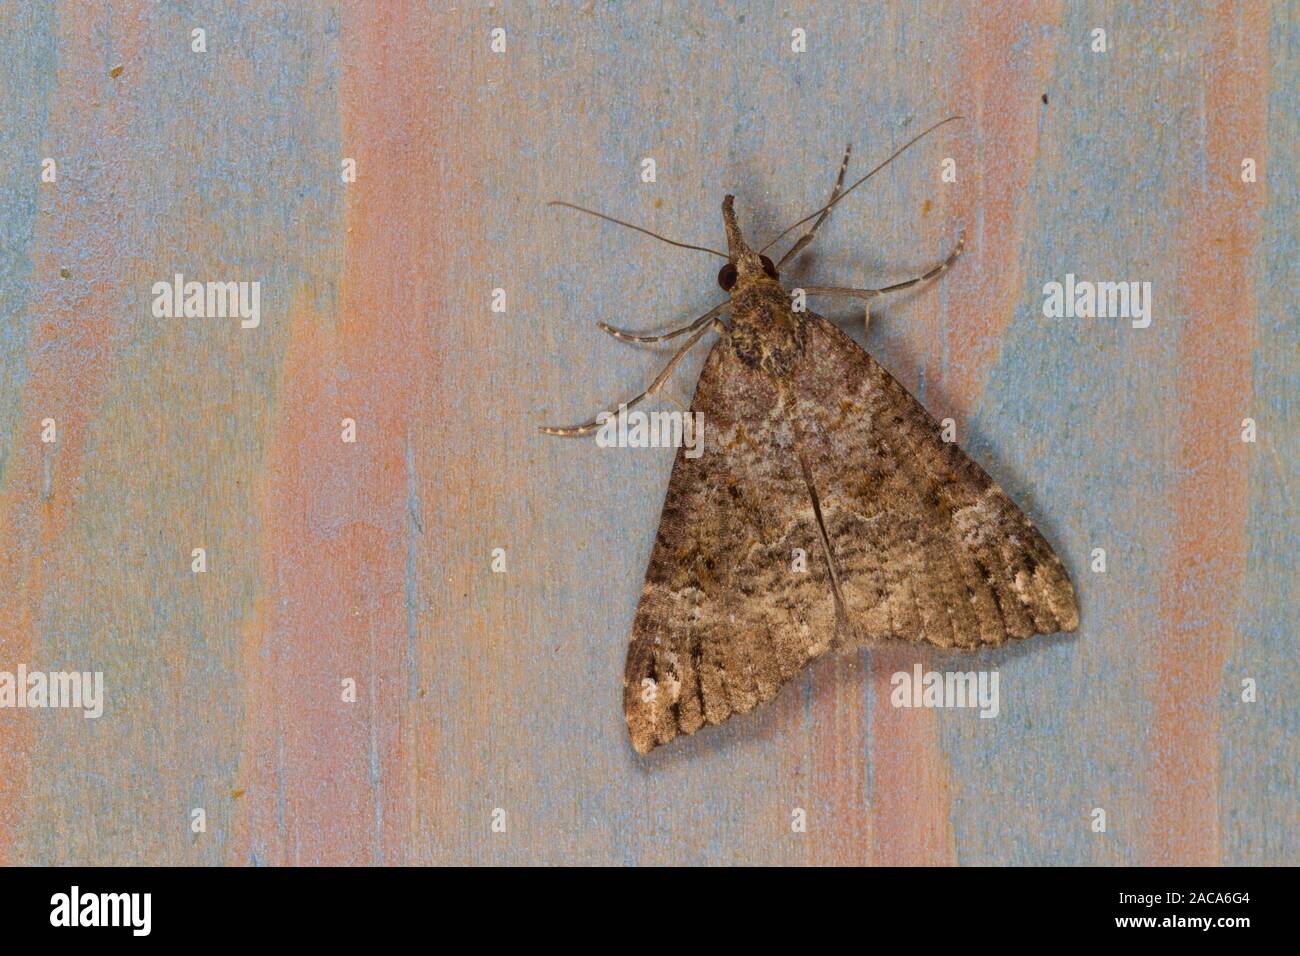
x=812, y=448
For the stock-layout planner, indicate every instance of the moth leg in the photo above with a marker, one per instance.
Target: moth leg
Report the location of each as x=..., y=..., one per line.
x=625, y=336
x=574, y=431
x=677, y=400
x=872, y=293
x=807, y=237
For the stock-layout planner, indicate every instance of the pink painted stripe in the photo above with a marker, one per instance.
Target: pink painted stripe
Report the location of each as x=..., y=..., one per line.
x=910, y=798
x=1208, y=557
x=331, y=782
x=839, y=764
x=69, y=355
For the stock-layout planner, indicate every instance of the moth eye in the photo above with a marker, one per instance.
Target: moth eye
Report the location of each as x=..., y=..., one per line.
x=727, y=277
x=769, y=268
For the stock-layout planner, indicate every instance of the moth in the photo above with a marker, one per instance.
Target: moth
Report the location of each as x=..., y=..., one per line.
x=812, y=449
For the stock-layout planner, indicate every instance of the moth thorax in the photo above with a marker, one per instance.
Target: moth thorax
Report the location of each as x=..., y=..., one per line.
x=765, y=332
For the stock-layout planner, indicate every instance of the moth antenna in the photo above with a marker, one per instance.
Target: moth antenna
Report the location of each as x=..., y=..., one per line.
x=898, y=152
x=620, y=222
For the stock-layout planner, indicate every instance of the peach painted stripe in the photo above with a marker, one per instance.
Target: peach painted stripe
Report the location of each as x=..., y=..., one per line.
x=909, y=775
x=910, y=799
x=1214, y=386
x=335, y=780
x=999, y=91
x=69, y=358
x=839, y=763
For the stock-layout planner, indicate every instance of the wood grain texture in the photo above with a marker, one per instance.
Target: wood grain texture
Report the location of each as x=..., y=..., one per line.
x=373, y=560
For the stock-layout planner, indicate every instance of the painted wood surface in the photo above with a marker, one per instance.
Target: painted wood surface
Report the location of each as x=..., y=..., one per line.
x=372, y=560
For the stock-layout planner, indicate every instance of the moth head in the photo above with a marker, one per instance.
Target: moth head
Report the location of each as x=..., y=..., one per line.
x=744, y=265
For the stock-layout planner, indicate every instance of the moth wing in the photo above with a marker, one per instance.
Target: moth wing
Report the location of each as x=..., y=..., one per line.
x=727, y=613
x=928, y=547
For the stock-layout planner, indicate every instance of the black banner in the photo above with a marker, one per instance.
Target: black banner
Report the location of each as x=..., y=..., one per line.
x=333, y=906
